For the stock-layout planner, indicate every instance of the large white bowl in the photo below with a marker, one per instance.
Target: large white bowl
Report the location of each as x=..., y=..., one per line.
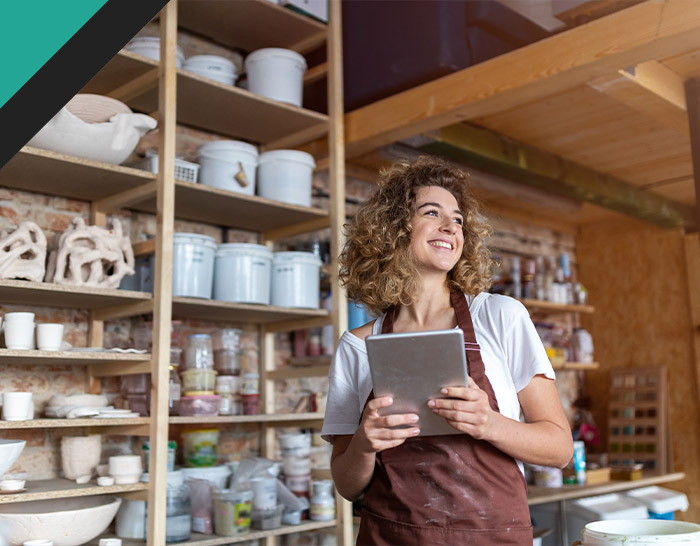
x=9, y=451
x=68, y=522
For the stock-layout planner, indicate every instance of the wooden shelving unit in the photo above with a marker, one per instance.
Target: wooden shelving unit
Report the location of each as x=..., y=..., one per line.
x=223, y=311
x=285, y=419
x=551, y=307
x=74, y=423
x=577, y=366
x=60, y=489
x=35, y=357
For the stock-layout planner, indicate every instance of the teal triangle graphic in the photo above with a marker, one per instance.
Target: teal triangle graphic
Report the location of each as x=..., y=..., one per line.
x=31, y=32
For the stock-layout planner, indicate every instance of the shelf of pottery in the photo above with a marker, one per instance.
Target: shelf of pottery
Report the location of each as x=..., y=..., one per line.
x=233, y=303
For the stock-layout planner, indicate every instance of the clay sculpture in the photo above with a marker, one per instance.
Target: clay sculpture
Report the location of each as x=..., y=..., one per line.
x=91, y=256
x=23, y=253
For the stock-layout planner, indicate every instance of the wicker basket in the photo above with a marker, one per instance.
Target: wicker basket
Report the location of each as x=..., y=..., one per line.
x=184, y=170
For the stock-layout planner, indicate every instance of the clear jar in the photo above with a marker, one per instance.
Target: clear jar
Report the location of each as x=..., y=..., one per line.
x=175, y=391
x=178, y=513
x=227, y=352
x=199, y=353
x=322, y=501
x=226, y=387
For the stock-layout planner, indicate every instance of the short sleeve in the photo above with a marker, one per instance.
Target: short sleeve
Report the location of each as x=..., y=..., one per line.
x=343, y=408
x=524, y=349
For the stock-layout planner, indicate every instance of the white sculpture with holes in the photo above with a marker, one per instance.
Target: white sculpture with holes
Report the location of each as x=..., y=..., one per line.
x=91, y=256
x=23, y=253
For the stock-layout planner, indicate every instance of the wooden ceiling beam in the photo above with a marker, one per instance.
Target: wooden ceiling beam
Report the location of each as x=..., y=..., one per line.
x=504, y=157
x=659, y=80
x=692, y=91
x=644, y=32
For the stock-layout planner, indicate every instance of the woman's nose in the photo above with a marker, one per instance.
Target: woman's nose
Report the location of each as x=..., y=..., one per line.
x=449, y=226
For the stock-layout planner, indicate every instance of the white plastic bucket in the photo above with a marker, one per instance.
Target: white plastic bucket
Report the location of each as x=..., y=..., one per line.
x=193, y=265
x=213, y=67
x=647, y=532
x=285, y=175
x=295, y=279
x=150, y=47
x=242, y=273
x=277, y=74
x=229, y=165
x=216, y=475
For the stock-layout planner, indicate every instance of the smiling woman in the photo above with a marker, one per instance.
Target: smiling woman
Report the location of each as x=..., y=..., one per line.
x=416, y=256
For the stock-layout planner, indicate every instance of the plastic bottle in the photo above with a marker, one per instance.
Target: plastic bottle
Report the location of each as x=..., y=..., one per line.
x=322, y=501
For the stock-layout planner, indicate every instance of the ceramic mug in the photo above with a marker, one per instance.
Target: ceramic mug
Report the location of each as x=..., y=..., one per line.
x=17, y=406
x=125, y=469
x=23, y=317
x=49, y=336
x=19, y=334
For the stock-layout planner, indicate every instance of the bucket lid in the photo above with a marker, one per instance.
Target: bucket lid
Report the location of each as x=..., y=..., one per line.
x=210, y=471
x=233, y=495
x=287, y=155
x=211, y=59
x=268, y=52
x=151, y=41
x=234, y=146
x=194, y=239
x=296, y=256
x=228, y=249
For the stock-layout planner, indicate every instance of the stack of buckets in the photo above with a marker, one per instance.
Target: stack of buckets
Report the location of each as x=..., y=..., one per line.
x=244, y=273
x=296, y=462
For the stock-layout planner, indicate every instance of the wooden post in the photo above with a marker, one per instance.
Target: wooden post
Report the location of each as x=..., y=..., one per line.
x=336, y=174
x=162, y=311
x=96, y=327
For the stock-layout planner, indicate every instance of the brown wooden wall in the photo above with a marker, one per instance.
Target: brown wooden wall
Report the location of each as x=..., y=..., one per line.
x=637, y=280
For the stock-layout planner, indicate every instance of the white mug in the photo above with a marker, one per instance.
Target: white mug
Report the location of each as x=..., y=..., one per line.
x=49, y=336
x=23, y=316
x=19, y=334
x=17, y=406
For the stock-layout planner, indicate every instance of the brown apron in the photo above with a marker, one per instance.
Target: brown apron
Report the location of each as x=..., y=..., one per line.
x=452, y=489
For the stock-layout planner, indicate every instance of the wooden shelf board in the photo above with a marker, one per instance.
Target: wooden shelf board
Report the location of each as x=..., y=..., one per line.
x=47, y=294
x=298, y=372
x=213, y=310
x=238, y=24
x=209, y=540
x=72, y=423
x=541, y=495
x=305, y=361
x=61, y=489
x=273, y=418
x=557, y=307
x=215, y=206
x=124, y=67
x=577, y=366
x=36, y=170
x=12, y=356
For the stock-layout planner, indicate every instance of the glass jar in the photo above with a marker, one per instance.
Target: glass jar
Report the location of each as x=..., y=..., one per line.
x=227, y=354
x=322, y=501
x=178, y=513
x=175, y=391
x=199, y=353
x=226, y=387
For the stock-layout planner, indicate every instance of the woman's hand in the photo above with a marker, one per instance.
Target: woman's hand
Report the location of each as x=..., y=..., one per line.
x=467, y=409
x=374, y=434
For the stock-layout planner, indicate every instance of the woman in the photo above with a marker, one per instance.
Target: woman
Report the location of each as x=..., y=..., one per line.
x=416, y=257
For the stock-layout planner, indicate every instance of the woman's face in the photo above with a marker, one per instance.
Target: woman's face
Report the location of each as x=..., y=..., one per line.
x=436, y=237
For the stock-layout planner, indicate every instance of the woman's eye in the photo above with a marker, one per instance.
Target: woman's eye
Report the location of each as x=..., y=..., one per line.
x=432, y=212
x=459, y=221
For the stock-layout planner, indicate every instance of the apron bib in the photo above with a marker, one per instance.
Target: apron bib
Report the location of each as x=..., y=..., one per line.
x=447, y=490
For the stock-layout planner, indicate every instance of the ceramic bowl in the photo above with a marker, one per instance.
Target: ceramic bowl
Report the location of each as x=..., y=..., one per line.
x=69, y=522
x=96, y=108
x=9, y=451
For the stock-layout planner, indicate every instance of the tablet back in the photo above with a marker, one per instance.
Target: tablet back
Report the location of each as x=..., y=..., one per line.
x=412, y=367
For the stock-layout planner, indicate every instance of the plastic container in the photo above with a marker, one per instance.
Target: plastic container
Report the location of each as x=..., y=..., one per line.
x=299, y=485
x=199, y=353
x=661, y=502
x=296, y=466
x=229, y=165
x=264, y=493
x=232, y=512
x=216, y=68
x=286, y=175
x=322, y=501
x=193, y=265
x=198, y=380
x=172, y=449
x=267, y=519
x=641, y=533
x=215, y=475
x=200, y=405
x=227, y=352
x=178, y=513
x=295, y=445
x=250, y=404
x=296, y=277
x=242, y=273
x=227, y=388
x=200, y=447
x=277, y=74
x=150, y=47
x=250, y=383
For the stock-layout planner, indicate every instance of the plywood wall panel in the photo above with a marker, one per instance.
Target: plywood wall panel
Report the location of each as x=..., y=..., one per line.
x=636, y=277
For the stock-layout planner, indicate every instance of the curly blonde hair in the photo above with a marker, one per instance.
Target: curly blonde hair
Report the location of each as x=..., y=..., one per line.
x=376, y=265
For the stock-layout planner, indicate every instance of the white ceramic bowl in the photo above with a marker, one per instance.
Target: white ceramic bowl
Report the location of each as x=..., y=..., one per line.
x=69, y=522
x=96, y=108
x=9, y=451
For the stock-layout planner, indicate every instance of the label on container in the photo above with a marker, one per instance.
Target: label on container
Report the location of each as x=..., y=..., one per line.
x=322, y=512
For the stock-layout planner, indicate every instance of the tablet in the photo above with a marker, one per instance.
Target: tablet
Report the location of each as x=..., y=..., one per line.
x=412, y=367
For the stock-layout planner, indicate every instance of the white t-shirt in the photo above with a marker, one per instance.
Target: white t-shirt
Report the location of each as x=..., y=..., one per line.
x=510, y=348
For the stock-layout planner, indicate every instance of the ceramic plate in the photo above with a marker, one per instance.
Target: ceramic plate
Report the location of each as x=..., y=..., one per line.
x=10, y=491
